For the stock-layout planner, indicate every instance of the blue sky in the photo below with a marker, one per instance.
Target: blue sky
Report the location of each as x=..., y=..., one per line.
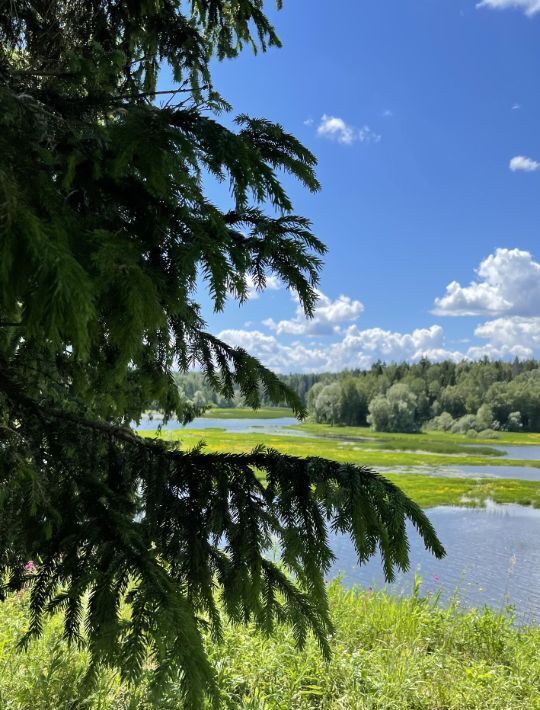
x=415, y=110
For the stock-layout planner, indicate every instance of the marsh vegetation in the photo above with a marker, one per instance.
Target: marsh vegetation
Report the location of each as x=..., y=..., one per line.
x=407, y=459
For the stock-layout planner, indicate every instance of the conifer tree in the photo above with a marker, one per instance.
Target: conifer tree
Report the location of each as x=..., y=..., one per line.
x=105, y=229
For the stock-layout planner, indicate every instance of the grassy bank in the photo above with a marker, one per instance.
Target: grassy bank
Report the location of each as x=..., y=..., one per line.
x=427, y=491
x=388, y=652
x=423, y=438
x=393, y=450
x=245, y=413
x=360, y=452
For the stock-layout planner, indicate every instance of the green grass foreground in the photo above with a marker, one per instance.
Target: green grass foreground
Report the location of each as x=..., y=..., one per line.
x=427, y=491
x=388, y=652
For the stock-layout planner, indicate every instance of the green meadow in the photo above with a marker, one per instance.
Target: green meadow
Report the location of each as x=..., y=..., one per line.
x=385, y=451
x=502, y=438
x=246, y=413
x=392, y=451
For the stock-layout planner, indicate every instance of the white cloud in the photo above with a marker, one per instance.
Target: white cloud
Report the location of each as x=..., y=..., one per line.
x=337, y=129
x=507, y=289
x=506, y=338
x=512, y=336
x=521, y=162
x=529, y=7
x=327, y=317
x=376, y=343
x=272, y=284
x=472, y=300
x=387, y=113
x=516, y=107
x=509, y=284
x=356, y=349
x=278, y=356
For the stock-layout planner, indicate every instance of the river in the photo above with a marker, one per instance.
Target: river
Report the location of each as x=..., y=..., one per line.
x=239, y=426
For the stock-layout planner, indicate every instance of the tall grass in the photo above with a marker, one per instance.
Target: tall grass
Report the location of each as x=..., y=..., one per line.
x=388, y=652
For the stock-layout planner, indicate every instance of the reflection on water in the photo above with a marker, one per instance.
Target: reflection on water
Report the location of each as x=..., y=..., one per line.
x=493, y=558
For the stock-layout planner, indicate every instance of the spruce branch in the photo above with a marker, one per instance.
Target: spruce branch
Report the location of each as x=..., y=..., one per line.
x=105, y=234
x=161, y=529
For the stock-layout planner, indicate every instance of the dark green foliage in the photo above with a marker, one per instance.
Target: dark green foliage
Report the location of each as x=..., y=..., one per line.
x=511, y=391
x=456, y=388
x=129, y=520
x=105, y=233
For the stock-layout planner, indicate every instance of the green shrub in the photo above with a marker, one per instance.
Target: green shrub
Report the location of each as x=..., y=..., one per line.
x=488, y=434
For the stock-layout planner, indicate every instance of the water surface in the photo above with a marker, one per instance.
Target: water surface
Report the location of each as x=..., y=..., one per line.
x=240, y=426
x=493, y=558
x=527, y=453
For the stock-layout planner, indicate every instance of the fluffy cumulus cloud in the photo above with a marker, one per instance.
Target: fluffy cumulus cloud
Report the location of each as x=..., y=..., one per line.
x=360, y=348
x=529, y=7
x=505, y=338
x=355, y=349
x=328, y=317
x=521, y=163
x=337, y=129
x=513, y=336
x=278, y=356
x=507, y=291
x=508, y=283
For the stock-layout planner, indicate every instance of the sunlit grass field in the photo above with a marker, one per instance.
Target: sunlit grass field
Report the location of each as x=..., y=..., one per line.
x=503, y=438
x=246, y=413
x=433, y=450
x=389, y=652
x=367, y=453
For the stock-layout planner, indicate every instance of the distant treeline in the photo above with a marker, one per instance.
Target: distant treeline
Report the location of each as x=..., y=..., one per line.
x=465, y=397
x=196, y=389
